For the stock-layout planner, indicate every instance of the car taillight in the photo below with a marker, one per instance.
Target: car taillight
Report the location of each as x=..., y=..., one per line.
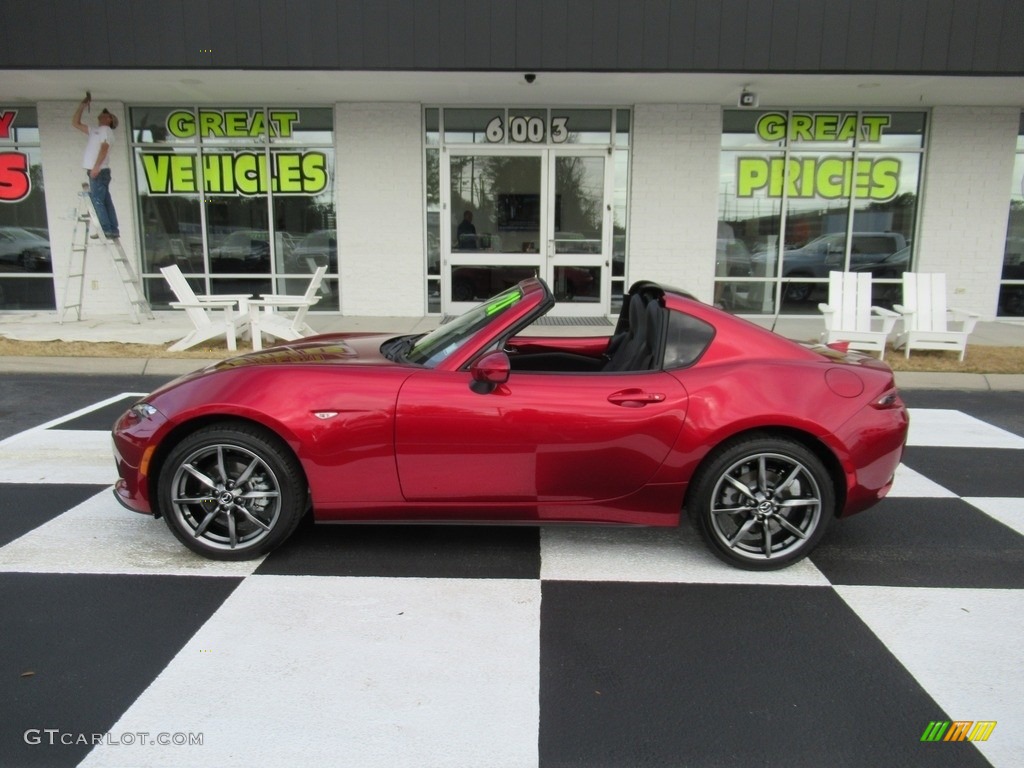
x=890, y=399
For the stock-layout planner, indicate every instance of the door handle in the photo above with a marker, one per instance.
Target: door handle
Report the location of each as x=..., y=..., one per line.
x=635, y=398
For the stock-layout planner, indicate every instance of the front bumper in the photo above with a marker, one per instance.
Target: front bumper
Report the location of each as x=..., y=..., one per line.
x=135, y=441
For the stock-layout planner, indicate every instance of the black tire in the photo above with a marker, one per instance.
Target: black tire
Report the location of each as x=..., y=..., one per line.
x=798, y=293
x=232, y=492
x=462, y=290
x=786, y=508
x=1013, y=301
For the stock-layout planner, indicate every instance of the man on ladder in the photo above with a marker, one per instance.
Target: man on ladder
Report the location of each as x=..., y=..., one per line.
x=96, y=162
x=96, y=212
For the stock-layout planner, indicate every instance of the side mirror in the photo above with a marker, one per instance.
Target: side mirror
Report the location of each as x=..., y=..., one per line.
x=489, y=371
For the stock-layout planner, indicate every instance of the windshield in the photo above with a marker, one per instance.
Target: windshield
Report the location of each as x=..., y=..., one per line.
x=432, y=349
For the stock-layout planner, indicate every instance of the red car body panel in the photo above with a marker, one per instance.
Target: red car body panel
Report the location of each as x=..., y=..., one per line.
x=384, y=440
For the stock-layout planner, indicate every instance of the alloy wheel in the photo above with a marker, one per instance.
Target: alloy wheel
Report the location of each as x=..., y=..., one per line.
x=765, y=506
x=226, y=496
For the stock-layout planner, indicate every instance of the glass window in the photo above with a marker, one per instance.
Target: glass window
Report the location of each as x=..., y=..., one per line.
x=622, y=127
x=26, y=267
x=584, y=126
x=163, y=125
x=686, y=340
x=619, y=223
x=433, y=241
x=803, y=193
x=579, y=202
x=241, y=193
x=307, y=126
x=431, y=125
x=495, y=203
x=469, y=126
x=1011, y=288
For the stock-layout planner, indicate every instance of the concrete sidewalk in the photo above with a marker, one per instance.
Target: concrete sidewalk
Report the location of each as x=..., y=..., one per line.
x=171, y=326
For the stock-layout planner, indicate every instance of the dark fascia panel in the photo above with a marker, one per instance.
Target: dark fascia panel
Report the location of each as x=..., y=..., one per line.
x=954, y=37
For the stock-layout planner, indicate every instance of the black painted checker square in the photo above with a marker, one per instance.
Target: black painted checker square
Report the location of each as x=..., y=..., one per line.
x=26, y=506
x=988, y=472
x=101, y=419
x=724, y=675
x=411, y=551
x=927, y=542
x=76, y=651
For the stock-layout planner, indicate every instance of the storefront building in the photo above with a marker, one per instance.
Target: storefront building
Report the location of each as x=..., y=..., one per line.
x=430, y=153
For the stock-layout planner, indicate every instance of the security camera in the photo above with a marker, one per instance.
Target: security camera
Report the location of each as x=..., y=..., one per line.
x=529, y=77
x=747, y=99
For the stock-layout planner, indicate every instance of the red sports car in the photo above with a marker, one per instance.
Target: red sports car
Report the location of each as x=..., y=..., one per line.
x=685, y=407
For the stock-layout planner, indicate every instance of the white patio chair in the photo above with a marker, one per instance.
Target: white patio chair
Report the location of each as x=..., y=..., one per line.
x=212, y=316
x=273, y=322
x=850, y=317
x=926, y=322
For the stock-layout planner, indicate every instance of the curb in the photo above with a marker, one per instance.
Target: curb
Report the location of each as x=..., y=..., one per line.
x=104, y=366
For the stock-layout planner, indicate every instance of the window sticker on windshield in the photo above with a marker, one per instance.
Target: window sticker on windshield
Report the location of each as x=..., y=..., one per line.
x=503, y=303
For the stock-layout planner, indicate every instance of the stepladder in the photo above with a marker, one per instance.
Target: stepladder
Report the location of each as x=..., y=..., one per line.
x=88, y=237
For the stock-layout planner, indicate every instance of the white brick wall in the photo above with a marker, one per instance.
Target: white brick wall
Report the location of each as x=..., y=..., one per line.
x=673, y=220
x=63, y=175
x=380, y=205
x=965, y=201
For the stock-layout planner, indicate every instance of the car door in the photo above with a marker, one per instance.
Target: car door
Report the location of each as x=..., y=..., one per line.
x=540, y=437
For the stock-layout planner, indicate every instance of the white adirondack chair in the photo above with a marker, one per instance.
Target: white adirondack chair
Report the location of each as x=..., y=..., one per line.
x=212, y=316
x=265, y=314
x=850, y=317
x=926, y=322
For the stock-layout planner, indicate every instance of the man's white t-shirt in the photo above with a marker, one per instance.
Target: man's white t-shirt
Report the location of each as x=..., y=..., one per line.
x=98, y=136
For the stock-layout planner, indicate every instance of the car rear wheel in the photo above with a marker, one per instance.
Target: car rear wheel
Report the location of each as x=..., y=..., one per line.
x=799, y=292
x=763, y=502
x=232, y=492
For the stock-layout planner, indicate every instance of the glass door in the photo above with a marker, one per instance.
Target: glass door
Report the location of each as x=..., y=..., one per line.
x=513, y=215
x=578, y=247
x=494, y=224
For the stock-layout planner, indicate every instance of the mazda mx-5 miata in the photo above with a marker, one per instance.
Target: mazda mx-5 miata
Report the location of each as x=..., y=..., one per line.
x=684, y=408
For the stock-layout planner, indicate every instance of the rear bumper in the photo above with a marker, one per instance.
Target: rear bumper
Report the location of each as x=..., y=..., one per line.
x=876, y=439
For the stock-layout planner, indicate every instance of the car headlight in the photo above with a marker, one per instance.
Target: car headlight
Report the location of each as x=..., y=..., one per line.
x=144, y=410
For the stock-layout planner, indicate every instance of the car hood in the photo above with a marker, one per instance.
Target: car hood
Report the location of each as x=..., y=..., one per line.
x=362, y=348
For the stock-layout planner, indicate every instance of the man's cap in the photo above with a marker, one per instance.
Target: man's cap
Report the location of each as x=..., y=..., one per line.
x=113, y=117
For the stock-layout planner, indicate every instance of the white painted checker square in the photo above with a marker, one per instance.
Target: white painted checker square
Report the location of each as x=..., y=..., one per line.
x=101, y=536
x=963, y=647
x=368, y=672
x=939, y=428
x=58, y=456
x=651, y=555
x=1008, y=511
x=909, y=483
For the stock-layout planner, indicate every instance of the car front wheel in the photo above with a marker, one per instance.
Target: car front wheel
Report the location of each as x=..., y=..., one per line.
x=232, y=492
x=763, y=503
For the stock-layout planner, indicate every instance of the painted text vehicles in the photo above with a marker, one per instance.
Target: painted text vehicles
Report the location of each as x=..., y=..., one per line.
x=761, y=439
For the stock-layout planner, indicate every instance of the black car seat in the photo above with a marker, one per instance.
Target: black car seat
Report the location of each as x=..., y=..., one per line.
x=625, y=348
x=649, y=357
x=629, y=319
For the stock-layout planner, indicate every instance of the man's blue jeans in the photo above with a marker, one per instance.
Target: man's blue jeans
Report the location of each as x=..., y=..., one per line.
x=99, y=191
